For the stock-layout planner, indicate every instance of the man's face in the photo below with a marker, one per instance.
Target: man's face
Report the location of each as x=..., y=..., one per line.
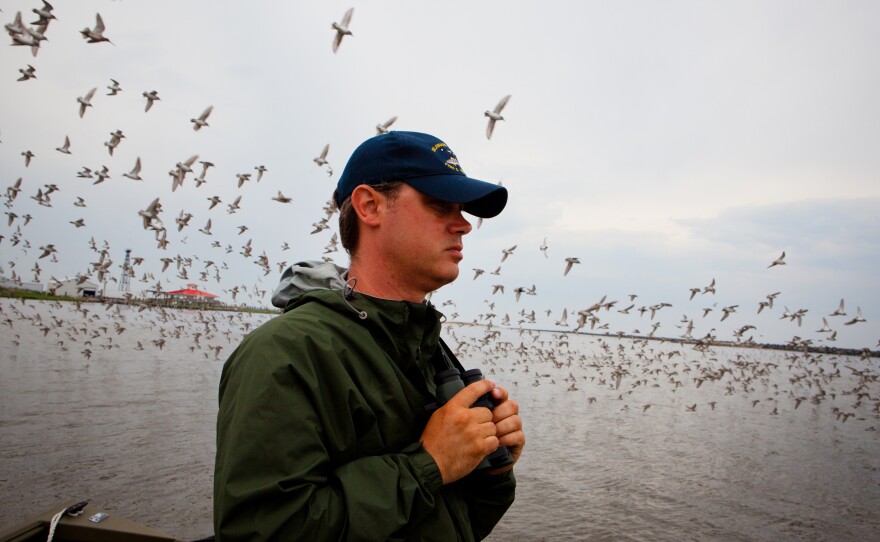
x=423, y=239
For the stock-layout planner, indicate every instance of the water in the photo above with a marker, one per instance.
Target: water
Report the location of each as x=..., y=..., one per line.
x=133, y=429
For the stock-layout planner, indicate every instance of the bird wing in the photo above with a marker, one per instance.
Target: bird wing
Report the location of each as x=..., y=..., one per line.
x=490, y=128
x=204, y=116
x=389, y=122
x=89, y=94
x=347, y=17
x=502, y=103
x=325, y=151
x=99, y=25
x=337, y=39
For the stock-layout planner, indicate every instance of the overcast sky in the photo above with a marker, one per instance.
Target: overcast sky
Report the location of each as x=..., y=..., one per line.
x=664, y=144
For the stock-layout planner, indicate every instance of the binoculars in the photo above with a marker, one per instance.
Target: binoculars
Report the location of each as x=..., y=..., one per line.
x=452, y=381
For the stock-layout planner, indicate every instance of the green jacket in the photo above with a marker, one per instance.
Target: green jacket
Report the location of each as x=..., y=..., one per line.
x=321, y=410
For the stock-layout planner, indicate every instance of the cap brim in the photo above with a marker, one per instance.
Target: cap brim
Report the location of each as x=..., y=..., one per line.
x=481, y=199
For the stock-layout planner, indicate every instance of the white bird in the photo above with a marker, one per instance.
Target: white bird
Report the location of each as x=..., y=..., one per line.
x=203, y=119
x=858, y=318
x=839, y=311
x=281, y=198
x=207, y=229
x=134, y=173
x=495, y=115
x=507, y=252
x=569, y=263
x=95, y=35
x=85, y=101
x=114, y=88
x=151, y=97
x=543, y=248
x=824, y=328
x=322, y=159
x=779, y=261
x=66, y=147
x=342, y=29
x=383, y=128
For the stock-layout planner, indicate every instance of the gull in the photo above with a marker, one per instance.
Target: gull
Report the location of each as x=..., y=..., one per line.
x=569, y=263
x=95, y=35
x=182, y=220
x=495, y=115
x=134, y=173
x=85, y=173
x=27, y=73
x=85, y=101
x=214, y=201
x=114, y=88
x=281, y=198
x=202, y=121
x=727, y=311
x=79, y=202
x=151, y=97
x=103, y=175
x=478, y=272
x=260, y=170
x=180, y=171
x=858, y=318
x=543, y=248
x=285, y=246
x=234, y=205
x=710, y=288
x=27, y=157
x=115, y=138
x=151, y=213
x=47, y=250
x=242, y=178
x=695, y=291
x=322, y=158
x=507, y=252
x=839, y=311
x=496, y=288
x=383, y=128
x=778, y=261
x=207, y=229
x=824, y=328
x=341, y=29
x=66, y=147
x=79, y=223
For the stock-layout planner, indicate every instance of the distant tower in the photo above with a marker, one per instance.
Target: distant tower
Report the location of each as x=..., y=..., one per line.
x=124, y=283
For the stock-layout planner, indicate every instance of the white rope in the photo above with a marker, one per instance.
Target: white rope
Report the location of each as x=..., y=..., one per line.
x=56, y=519
x=54, y=523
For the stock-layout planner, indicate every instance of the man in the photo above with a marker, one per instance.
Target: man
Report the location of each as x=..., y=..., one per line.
x=323, y=431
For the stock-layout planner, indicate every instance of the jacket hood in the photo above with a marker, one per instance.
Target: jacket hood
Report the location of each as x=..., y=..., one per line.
x=303, y=277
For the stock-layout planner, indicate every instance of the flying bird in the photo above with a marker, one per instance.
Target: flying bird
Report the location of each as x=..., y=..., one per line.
x=383, y=128
x=569, y=263
x=134, y=173
x=27, y=73
x=207, y=229
x=151, y=97
x=202, y=121
x=341, y=29
x=281, y=198
x=95, y=35
x=114, y=88
x=778, y=261
x=495, y=115
x=66, y=147
x=322, y=158
x=85, y=101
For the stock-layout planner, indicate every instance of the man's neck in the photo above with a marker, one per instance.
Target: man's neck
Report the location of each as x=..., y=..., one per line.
x=375, y=281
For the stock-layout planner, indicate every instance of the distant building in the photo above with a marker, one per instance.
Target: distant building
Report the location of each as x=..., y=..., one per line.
x=70, y=288
x=32, y=286
x=189, y=296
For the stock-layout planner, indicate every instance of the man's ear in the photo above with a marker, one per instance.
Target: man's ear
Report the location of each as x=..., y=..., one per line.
x=368, y=204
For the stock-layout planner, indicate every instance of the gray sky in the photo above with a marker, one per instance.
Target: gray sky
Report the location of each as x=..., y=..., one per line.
x=664, y=144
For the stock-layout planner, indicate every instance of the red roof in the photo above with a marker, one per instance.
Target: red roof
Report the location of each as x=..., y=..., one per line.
x=192, y=292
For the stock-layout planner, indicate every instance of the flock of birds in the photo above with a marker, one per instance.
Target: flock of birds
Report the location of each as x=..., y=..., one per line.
x=207, y=267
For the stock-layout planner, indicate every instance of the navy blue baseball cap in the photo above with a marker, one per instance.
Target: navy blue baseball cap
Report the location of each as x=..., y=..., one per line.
x=426, y=164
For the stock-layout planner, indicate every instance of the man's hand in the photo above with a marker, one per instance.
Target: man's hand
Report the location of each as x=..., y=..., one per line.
x=508, y=427
x=458, y=437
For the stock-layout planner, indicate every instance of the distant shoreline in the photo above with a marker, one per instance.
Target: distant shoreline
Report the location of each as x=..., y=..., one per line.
x=699, y=343
x=14, y=293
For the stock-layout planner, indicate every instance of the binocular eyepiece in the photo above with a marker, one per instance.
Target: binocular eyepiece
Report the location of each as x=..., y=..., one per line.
x=452, y=381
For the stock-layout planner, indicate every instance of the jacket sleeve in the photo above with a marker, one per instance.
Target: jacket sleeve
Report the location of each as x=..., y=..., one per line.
x=488, y=498
x=274, y=475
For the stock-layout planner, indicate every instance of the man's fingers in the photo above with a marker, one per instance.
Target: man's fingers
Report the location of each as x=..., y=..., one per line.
x=469, y=395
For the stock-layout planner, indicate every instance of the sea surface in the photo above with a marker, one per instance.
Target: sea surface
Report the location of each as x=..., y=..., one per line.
x=626, y=440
